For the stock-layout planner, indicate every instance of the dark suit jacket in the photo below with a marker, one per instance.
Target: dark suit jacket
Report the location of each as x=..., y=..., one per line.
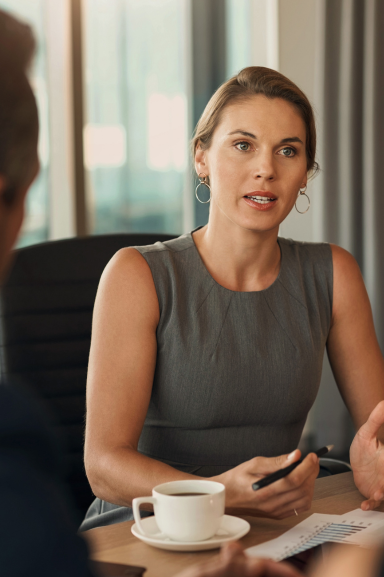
x=37, y=525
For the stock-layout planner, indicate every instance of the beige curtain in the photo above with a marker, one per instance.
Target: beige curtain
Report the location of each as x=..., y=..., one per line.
x=349, y=193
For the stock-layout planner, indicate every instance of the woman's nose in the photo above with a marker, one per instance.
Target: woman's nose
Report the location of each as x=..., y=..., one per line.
x=264, y=167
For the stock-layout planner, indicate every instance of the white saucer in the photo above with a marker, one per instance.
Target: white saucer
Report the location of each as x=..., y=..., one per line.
x=232, y=528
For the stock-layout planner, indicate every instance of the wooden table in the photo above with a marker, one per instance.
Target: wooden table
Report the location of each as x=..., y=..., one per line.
x=334, y=495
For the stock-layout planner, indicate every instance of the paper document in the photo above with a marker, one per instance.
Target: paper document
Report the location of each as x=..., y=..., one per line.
x=357, y=527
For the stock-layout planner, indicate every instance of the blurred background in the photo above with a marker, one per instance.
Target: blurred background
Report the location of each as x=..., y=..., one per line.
x=121, y=84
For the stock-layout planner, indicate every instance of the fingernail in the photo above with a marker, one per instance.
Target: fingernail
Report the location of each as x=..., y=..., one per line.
x=314, y=458
x=291, y=455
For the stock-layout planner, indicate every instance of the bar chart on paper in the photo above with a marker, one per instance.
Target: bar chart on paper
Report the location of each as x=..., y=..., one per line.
x=356, y=527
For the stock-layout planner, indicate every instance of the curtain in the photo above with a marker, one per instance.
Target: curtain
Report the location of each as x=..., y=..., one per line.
x=349, y=192
x=351, y=112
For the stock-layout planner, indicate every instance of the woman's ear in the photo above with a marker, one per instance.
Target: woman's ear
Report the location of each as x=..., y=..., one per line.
x=201, y=161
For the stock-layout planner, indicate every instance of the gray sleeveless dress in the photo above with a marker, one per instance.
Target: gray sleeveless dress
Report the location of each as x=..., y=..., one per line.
x=236, y=372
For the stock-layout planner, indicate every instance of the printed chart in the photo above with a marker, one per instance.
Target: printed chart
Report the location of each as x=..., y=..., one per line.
x=355, y=527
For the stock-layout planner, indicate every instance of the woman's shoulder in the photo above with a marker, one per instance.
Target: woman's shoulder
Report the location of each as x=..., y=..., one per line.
x=309, y=259
x=170, y=261
x=342, y=258
x=138, y=260
x=346, y=272
x=127, y=278
x=152, y=270
x=319, y=252
x=173, y=246
x=321, y=268
x=306, y=250
x=307, y=270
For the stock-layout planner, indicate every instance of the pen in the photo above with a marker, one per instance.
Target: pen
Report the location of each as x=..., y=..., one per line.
x=281, y=473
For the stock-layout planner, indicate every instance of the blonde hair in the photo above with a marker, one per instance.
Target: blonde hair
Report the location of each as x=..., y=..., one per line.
x=247, y=83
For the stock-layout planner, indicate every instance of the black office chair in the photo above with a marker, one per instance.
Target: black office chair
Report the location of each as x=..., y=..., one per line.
x=330, y=467
x=46, y=315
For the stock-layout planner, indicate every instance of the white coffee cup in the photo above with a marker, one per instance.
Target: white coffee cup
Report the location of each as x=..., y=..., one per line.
x=185, y=517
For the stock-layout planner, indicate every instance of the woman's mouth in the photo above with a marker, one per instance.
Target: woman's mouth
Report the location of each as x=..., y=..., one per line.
x=260, y=202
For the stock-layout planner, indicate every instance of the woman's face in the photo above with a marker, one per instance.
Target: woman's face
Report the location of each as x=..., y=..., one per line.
x=256, y=162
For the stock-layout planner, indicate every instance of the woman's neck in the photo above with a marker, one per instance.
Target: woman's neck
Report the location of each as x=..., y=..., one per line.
x=237, y=258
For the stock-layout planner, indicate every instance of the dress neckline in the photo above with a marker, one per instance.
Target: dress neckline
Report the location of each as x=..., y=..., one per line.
x=207, y=273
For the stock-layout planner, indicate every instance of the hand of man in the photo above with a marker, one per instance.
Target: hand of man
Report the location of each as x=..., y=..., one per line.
x=367, y=459
x=232, y=562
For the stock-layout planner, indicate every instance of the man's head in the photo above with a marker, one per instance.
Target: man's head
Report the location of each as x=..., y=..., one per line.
x=18, y=129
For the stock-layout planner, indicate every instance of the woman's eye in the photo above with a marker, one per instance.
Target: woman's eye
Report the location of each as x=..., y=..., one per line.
x=244, y=146
x=287, y=151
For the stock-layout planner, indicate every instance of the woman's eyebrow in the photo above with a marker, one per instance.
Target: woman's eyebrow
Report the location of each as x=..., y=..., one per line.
x=243, y=133
x=250, y=135
x=291, y=139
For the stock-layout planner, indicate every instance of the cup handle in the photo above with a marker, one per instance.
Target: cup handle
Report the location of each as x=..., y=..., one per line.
x=136, y=513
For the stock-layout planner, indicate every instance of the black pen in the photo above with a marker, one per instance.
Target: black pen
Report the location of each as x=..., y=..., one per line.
x=281, y=473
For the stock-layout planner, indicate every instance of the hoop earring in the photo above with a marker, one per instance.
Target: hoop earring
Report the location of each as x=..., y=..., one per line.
x=302, y=193
x=203, y=180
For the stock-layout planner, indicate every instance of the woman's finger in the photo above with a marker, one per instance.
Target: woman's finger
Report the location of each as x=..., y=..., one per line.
x=262, y=466
x=301, y=501
x=306, y=472
x=282, y=501
x=287, y=502
x=374, y=501
x=267, y=501
x=292, y=494
x=300, y=506
x=308, y=469
x=372, y=426
x=379, y=495
x=370, y=504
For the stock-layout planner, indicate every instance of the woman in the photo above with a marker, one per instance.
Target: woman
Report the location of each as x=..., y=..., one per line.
x=207, y=350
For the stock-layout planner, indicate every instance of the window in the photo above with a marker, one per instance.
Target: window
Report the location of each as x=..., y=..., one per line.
x=35, y=227
x=136, y=132
x=252, y=34
x=139, y=60
x=239, y=47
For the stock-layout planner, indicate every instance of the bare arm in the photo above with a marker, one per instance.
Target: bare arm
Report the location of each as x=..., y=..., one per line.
x=353, y=350
x=121, y=368
x=358, y=366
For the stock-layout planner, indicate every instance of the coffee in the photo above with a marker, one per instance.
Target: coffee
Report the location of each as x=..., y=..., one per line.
x=187, y=494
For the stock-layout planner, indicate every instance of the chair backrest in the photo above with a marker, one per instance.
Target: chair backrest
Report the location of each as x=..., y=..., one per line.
x=46, y=316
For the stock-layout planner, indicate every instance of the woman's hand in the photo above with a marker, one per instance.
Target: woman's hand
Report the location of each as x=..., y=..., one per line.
x=367, y=459
x=232, y=562
x=279, y=499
